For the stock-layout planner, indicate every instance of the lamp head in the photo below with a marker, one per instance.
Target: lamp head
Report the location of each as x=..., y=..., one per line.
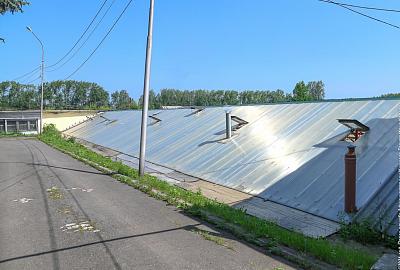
x=29, y=29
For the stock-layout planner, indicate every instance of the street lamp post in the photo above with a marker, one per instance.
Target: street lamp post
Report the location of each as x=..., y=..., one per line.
x=145, y=106
x=41, y=79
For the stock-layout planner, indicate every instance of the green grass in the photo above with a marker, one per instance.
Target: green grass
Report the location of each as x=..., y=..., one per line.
x=213, y=238
x=15, y=134
x=196, y=204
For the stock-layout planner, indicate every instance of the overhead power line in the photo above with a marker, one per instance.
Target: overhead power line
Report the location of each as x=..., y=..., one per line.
x=37, y=78
x=80, y=38
x=87, y=38
x=26, y=74
x=362, y=7
x=73, y=47
x=35, y=74
x=360, y=13
x=101, y=42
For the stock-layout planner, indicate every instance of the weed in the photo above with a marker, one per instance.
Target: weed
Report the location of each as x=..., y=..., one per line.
x=15, y=134
x=213, y=238
x=364, y=233
x=66, y=210
x=71, y=139
x=55, y=193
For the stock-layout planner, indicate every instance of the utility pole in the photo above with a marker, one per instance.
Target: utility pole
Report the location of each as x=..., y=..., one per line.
x=41, y=79
x=145, y=104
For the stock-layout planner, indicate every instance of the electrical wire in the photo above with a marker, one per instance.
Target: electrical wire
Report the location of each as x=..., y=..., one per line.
x=362, y=7
x=87, y=38
x=26, y=74
x=101, y=42
x=360, y=13
x=73, y=47
x=37, y=73
x=80, y=38
x=32, y=80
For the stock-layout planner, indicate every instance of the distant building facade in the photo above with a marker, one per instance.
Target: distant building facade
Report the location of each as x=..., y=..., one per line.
x=19, y=121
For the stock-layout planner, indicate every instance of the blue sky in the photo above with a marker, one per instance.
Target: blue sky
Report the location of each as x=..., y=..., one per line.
x=213, y=44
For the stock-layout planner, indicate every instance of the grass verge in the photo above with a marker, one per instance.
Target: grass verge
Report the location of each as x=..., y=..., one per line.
x=213, y=238
x=15, y=134
x=197, y=204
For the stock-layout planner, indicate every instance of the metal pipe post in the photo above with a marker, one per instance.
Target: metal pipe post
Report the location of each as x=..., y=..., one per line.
x=145, y=104
x=350, y=162
x=41, y=99
x=41, y=77
x=228, y=125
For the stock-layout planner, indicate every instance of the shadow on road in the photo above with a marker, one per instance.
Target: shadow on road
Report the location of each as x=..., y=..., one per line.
x=189, y=227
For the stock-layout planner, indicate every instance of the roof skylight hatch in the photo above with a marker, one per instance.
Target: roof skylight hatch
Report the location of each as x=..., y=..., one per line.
x=154, y=118
x=108, y=121
x=357, y=129
x=195, y=110
x=239, y=122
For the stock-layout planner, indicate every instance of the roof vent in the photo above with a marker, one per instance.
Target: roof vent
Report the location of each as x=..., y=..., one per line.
x=240, y=122
x=195, y=110
x=357, y=129
x=107, y=121
x=154, y=118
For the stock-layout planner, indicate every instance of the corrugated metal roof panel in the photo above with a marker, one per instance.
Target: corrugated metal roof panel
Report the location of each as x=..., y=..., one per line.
x=19, y=114
x=382, y=209
x=288, y=153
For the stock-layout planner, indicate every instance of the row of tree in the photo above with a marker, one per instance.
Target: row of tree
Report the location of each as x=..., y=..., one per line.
x=173, y=97
x=56, y=95
x=87, y=95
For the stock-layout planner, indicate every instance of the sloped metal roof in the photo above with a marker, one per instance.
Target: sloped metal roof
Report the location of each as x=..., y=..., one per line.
x=383, y=209
x=288, y=153
x=19, y=114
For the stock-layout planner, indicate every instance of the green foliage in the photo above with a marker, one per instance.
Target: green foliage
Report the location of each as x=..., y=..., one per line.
x=154, y=101
x=364, y=233
x=301, y=92
x=56, y=95
x=120, y=100
x=316, y=90
x=72, y=94
x=16, y=95
x=196, y=204
x=12, y=6
x=174, y=97
x=15, y=134
x=391, y=95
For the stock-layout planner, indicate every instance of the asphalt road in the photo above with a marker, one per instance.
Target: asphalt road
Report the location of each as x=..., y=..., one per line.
x=109, y=225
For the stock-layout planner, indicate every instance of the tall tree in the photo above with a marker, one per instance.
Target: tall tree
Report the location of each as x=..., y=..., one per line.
x=98, y=97
x=120, y=100
x=390, y=95
x=316, y=90
x=11, y=6
x=300, y=92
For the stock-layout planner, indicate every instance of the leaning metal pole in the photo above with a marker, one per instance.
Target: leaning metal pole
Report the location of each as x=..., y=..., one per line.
x=41, y=78
x=41, y=97
x=145, y=104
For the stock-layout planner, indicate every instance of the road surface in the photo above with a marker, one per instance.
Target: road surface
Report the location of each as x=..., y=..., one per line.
x=58, y=213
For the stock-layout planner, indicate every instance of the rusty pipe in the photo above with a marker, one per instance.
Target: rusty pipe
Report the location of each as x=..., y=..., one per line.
x=350, y=167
